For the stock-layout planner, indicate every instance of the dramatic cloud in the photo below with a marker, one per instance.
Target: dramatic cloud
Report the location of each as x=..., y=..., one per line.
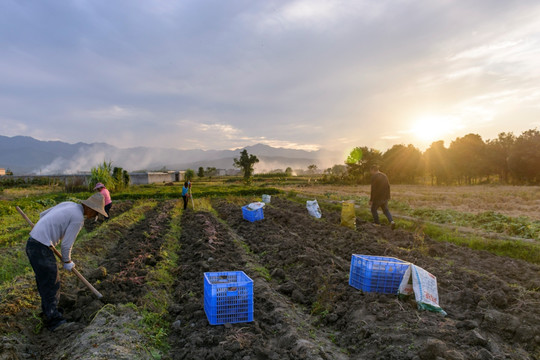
x=304, y=74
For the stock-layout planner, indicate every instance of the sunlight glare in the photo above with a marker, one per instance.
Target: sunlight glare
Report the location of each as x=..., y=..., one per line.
x=433, y=128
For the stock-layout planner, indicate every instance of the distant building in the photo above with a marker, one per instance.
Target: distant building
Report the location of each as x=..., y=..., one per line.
x=2, y=171
x=180, y=175
x=156, y=177
x=233, y=172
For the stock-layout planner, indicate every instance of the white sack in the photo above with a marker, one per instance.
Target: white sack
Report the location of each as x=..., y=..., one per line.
x=313, y=208
x=424, y=287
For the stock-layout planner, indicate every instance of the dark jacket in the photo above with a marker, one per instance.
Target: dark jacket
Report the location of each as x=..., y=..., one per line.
x=380, y=188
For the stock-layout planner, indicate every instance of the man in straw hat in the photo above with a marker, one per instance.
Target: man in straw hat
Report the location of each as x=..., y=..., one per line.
x=61, y=223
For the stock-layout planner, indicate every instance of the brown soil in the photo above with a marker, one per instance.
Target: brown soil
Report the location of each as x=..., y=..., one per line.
x=120, y=277
x=493, y=303
x=304, y=307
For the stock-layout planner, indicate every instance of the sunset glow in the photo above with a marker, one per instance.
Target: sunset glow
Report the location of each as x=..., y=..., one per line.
x=434, y=128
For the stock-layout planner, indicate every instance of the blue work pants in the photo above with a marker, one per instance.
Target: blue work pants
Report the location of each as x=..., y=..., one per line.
x=384, y=206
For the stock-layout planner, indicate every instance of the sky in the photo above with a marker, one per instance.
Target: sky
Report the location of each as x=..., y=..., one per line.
x=306, y=74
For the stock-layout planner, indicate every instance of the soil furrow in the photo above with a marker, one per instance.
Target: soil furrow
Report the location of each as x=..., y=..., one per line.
x=310, y=258
x=278, y=331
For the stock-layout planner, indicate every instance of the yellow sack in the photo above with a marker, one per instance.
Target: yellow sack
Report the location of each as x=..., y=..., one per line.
x=348, y=215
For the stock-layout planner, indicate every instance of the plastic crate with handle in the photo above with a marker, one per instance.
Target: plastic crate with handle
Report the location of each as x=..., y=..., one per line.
x=377, y=273
x=228, y=297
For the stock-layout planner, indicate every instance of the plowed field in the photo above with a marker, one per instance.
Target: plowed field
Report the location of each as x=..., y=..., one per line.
x=303, y=305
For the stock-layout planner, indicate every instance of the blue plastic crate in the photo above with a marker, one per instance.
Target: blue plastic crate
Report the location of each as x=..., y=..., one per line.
x=228, y=297
x=377, y=273
x=252, y=215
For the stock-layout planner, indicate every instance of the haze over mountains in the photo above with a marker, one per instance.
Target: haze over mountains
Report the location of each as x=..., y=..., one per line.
x=26, y=155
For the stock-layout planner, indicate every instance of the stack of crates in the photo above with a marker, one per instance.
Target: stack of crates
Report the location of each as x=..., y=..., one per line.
x=377, y=273
x=228, y=297
x=252, y=215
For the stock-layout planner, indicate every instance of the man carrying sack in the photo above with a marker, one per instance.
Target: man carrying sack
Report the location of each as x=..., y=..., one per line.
x=61, y=223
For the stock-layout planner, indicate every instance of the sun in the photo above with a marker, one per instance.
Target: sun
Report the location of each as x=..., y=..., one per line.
x=433, y=128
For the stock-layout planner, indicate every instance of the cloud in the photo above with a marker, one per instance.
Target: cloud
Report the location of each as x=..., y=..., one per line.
x=113, y=112
x=9, y=127
x=297, y=73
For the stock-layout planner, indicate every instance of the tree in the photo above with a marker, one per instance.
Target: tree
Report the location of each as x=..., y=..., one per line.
x=246, y=163
x=289, y=171
x=335, y=173
x=121, y=178
x=189, y=174
x=437, y=163
x=200, y=173
x=524, y=160
x=468, y=158
x=360, y=160
x=126, y=177
x=312, y=169
x=339, y=171
x=498, y=154
x=403, y=164
x=210, y=171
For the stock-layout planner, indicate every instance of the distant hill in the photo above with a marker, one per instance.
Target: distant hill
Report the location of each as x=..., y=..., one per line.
x=26, y=155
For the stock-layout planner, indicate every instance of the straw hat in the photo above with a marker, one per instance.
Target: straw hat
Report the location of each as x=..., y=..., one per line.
x=96, y=202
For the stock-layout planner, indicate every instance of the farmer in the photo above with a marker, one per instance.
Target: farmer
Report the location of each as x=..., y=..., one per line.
x=60, y=223
x=380, y=194
x=106, y=195
x=185, y=193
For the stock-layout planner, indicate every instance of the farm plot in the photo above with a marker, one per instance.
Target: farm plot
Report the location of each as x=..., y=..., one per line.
x=122, y=252
x=492, y=302
x=303, y=305
x=281, y=330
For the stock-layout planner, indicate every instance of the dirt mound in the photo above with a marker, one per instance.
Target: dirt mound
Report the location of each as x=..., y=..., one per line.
x=120, y=277
x=118, y=208
x=303, y=305
x=491, y=301
x=278, y=331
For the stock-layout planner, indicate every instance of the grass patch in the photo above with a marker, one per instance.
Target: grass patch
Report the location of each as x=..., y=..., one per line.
x=14, y=262
x=160, y=281
x=515, y=249
x=263, y=272
x=174, y=192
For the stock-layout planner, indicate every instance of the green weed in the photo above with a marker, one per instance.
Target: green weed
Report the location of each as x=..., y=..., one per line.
x=263, y=272
x=515, y=249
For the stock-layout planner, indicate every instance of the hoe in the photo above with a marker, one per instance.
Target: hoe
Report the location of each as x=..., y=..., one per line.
x=57, y=253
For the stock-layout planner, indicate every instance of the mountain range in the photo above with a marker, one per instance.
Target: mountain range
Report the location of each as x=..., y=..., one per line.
x=26, y=155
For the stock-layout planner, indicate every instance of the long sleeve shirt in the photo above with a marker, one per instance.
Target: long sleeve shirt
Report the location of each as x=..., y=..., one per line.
x=61, y=223
x=106, y=195
x=380, y=188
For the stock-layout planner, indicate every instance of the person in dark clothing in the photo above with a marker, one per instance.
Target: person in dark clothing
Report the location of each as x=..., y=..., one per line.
x=380, y=194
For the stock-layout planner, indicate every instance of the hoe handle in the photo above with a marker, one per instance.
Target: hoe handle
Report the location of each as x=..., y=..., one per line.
x=57, y=253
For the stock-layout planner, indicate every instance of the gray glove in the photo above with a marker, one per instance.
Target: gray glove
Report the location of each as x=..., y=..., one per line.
x=70, y=265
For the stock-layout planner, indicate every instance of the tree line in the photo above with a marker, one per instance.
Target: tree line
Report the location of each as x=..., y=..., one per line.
x=508, y=159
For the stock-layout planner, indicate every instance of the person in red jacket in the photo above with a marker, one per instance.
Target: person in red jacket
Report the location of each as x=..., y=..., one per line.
x=380, y=194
